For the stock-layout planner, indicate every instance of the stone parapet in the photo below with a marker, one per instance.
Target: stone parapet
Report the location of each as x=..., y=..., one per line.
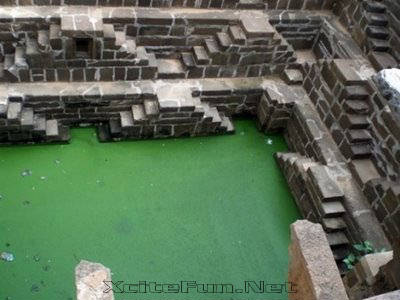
x=312, y=266
x=210, y=4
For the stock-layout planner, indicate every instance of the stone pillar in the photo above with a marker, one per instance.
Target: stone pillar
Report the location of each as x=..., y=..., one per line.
x=89, y=281
x=312, y=267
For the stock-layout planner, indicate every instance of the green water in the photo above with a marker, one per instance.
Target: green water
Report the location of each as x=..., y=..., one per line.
x=211, y=210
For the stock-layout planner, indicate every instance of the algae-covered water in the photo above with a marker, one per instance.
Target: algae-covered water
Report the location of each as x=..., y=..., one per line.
x=210, y=210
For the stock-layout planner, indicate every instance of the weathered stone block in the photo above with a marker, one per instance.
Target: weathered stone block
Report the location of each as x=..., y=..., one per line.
x=312, y=265
x=90, y=281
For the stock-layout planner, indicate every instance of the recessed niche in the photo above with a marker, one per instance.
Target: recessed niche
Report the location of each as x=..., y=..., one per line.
x=83, y=48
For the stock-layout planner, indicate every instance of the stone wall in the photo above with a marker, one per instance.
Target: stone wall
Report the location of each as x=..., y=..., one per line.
x=131, y=109
x=125, y=44
x=364, y=129
x=231, y=4
x=299, y=28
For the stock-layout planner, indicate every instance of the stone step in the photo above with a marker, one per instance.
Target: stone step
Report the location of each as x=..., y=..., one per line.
x=200, y=55
x=358, y=135
x=19, y=57
x=382, y=60
x=293, y=76
x=356, y=107
x=355, y=92
x=257, y=27
x=250, y=4
x=127, y=50
x=284, y=157
x=333, y=224
x=224, y=40
x=148, y=59
x=378, y=45
x=52, y=130
x=14, y=111
x=227, y=123
x=115, y=127
x=332, y=209
x=120, y=38
x=27, y=120
x=104, y=133
x=109, y=34
x=322, y=185
x=9, y=61
x=170, y=69
x=126, y=120
x=237, y=35
x=188, y=59
x=363, y=170
x=139, y=113
x=44, y=40
x=213, y=112
x=340, y=252
x=347, y=71
x=32, y=47
x=55, y=37
x=378, y=32
x=211, y=46
x=151, y=108
x=374, y=7
x=361, y=150
x=337, y=239
x=354, y=121
x=39, y=125
x=377, y=19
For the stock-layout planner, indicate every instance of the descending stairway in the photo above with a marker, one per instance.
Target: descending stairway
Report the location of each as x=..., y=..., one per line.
x=351, y=111
x=173, y=112
x=227, y=53
x=376, y=27
x=319, y=199
x=21, y=125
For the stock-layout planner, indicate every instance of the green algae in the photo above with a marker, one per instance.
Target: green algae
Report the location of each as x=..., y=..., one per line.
x=211, y=210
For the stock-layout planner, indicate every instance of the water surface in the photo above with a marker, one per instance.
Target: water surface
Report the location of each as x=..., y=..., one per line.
x=211, y=210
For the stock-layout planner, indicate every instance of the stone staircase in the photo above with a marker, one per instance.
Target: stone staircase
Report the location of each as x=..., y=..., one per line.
x=20, y=124
x=114, y=50
x=375, y=24
x=174, y=111
x=227, y=53
x=350, y=100
x=42, y=113
x=318, y=198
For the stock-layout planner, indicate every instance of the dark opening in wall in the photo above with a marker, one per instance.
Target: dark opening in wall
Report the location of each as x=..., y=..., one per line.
x=83, y=48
